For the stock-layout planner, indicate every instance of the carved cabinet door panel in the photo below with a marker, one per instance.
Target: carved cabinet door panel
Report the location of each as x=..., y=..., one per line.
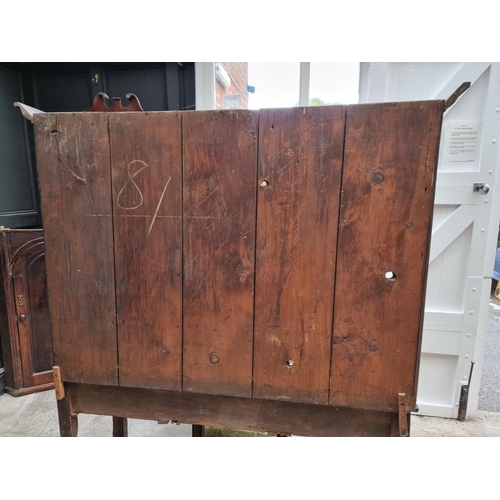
x=33, y=322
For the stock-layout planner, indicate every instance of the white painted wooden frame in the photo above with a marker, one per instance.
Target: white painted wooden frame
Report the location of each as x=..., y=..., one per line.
x=204, y=79
x=205, y=84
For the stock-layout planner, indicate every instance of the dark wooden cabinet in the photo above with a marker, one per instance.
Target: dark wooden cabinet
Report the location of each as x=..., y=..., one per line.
x=24, y=314
x=261, y=270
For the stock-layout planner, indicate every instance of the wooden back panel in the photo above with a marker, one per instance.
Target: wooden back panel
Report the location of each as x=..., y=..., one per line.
x=240, y=241
x=75, y=187
x=146, y=168
x=388, y=185
x=300, y=157
x=220, y=170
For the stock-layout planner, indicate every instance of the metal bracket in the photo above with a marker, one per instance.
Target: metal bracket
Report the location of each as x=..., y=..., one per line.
x=480, y=187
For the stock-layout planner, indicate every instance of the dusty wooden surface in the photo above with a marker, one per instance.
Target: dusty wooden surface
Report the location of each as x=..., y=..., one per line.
x=232, y=412
x=220, y=170
x=385, y=222
x=147, y=208
x=75, y=185
x=300, y=157
x=182, y=213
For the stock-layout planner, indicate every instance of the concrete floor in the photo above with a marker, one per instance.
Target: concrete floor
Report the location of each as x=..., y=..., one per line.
x=36, y=414
x=489, y=393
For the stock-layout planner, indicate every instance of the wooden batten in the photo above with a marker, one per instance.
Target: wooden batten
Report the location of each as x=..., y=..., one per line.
x=58, y=383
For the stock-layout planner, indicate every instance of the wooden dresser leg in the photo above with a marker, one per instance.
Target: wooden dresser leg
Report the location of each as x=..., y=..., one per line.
x=68, y=422
x=120, y=427
x=198, y=431
x=400, y=424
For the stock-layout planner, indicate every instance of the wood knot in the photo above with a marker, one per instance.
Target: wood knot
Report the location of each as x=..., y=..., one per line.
x=338, y=339
x=378, y=177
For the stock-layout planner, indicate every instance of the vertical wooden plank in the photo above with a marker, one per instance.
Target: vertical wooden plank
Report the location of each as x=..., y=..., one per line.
x=300, y=156
x=147, y=194
x=220, y=171
x=388, y=187
x=75, y=186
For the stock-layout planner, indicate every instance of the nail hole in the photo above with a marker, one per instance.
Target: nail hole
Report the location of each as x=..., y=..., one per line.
x=264, y=183
x=391, y=276
x=290, y=363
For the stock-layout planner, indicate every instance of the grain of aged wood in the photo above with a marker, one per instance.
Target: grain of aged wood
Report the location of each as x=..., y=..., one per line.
x=403, y=416
x=220, y=171
x=388, y=186
x=300, y=161
x=173, y=214
x=75, y=185
x=58, y=384
x=147, y=208
x=68, y=418
x=277, y=417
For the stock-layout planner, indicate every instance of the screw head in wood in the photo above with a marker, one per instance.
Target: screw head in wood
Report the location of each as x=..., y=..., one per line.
x=264, y=184
x=290, y=363
x=214, y=359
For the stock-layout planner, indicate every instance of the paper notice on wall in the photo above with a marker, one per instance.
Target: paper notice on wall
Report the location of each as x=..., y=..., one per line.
x=461, y=144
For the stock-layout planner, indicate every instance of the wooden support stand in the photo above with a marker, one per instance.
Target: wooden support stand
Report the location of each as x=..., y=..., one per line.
x=198, y=431
x=275, y=417
x=68, y=419
x=120, y=427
